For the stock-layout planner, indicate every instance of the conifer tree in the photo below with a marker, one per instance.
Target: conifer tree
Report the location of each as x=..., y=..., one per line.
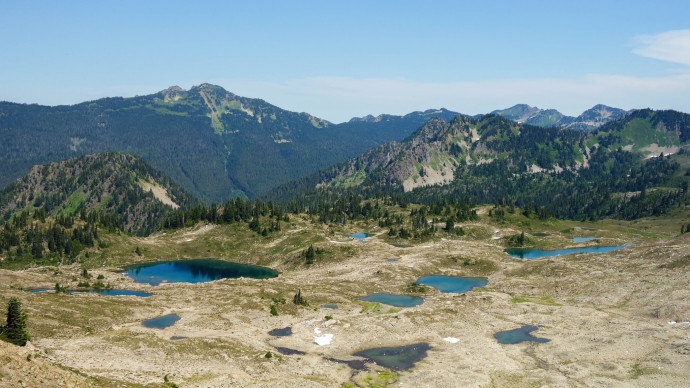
x=310, y=254
x=15, y=330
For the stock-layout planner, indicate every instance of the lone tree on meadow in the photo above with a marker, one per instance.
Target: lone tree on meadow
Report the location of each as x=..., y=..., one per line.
x=310, y=254
x=15, y=330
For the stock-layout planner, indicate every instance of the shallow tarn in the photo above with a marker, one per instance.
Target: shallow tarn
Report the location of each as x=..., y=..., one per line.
x=393, y=300
x=529, y=253
x=360, y=236
x=583, y=239
x=521, y=334
x=284, y=332
x=452, y=284
x=161, y=322
x=396, y=358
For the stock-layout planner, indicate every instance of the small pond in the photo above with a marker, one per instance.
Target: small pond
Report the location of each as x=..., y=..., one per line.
x=286, y=331
x=393, y=300
x=114, y=292
x=177, y=338
x=521, y=334
x=329, y=306
x=396, y=358
x=455, y=284
x=360, y=236
x=161, y=322
x=194, y=271
x=392, y=260
x=584, y=239
x=528, y=253
x=288, y=351
x=41, y=290
x=360, y=365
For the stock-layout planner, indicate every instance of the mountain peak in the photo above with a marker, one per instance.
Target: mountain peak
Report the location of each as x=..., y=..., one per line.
x=173, y=89
x=172, y=93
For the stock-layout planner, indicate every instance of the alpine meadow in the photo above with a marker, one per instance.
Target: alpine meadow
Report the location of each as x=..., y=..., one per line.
x=519, y=216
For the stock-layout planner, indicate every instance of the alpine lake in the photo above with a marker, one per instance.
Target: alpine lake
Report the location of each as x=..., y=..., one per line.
x=194, y=271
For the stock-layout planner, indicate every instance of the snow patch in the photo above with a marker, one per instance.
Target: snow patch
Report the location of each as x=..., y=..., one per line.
x=452, y=340
x=324, y=339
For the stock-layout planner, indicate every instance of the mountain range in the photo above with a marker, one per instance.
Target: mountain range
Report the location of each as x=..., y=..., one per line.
x=216, y=144
x=492, y=159
x=588, y=120
x=212, y=142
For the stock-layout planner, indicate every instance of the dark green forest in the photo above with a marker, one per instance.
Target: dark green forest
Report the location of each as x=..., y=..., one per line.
x=211, y=142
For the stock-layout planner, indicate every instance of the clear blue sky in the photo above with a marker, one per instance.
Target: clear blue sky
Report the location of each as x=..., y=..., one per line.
x=336, y=60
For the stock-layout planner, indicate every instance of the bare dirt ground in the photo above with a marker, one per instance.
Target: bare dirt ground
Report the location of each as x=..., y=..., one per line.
x=613, y=319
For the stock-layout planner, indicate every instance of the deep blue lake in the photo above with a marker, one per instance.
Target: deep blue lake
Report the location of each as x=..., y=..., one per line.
x=583, y=239
x=396, y=358
x=161, y=322
x=194, y=271
x=393, y=300
x=528, y=253
x=521, y=334
x=456, y=284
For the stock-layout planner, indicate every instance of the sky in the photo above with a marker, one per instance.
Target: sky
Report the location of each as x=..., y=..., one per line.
x=343, y=59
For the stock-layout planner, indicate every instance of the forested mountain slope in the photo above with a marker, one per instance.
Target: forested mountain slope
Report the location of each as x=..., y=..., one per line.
x=569, y=173
x=212, y=142
x=120, y=190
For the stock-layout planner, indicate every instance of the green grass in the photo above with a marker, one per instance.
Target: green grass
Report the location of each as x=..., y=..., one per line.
x=346, y=181
x=543, y=300
x=376, y=308
x=640, y=133
x=72, y=204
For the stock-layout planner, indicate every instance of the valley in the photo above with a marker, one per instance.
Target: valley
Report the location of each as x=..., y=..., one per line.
x=615, y=318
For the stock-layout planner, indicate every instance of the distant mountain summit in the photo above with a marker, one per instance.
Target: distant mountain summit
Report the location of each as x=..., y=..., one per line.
x=592, y=118
x=442, y=113
x=588, y=120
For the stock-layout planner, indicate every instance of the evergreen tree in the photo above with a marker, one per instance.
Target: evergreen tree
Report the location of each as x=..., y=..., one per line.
x=310, y=255
x=15, y=330
x=298, y=299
